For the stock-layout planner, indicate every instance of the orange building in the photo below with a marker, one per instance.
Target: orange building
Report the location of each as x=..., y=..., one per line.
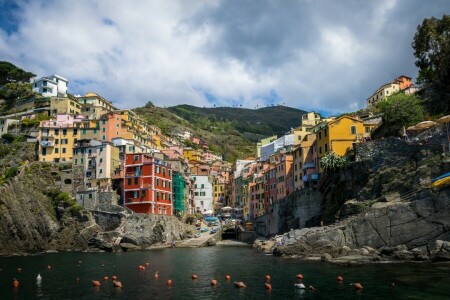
x=148, y=184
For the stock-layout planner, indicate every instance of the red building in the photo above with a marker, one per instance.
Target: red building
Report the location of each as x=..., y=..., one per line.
x=147, y=184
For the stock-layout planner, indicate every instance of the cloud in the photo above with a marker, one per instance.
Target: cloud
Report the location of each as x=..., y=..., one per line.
x=315, y=55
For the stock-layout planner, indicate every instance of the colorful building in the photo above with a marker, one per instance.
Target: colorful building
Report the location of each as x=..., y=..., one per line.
x=64, y=105
x=57, y=138
x=94, y=165
x=94, y=106
x=402, y=83
x=147, y=184
x=338, y=136
x=283, y=172
x=203, y=194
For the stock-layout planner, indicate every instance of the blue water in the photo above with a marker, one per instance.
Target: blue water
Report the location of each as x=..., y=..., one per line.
x=413, y=281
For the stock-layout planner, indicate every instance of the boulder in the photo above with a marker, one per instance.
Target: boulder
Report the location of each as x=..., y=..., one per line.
x=326, y=257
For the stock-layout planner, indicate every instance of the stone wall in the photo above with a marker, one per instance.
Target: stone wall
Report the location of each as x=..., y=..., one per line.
x=298, y=210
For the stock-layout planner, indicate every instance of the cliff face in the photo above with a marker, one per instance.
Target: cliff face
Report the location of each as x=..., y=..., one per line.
x=29, y=221
x=381, y=202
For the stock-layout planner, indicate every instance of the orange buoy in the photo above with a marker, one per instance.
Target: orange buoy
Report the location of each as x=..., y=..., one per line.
x=340, y=279
x=141, y=268
x=268, y=286
x=239, y=284
x=114, y=277
x=15, y=283
x=299, y=276
x=49, y=267
x=106, y=278
x=194, y=276
x=213, y=282
x=95, y=283
x=357, y=286
x=227, y=277
x=169, y=282
x=156, y=275
x=117, y=284
x=267, y=277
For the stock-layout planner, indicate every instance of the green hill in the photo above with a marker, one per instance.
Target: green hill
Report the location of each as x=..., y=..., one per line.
x=231, y=132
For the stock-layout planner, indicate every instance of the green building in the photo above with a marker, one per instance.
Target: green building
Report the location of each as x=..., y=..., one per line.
x=178, y=194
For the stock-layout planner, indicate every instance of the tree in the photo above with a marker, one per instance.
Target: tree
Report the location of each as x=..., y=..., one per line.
x=332, y=162
x=432, y=50
x=400, y=110
x=10, y=73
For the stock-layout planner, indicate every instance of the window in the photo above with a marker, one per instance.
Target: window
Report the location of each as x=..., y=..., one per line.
x=84, y=131
x=63, y=150
x=136, y=194
x=143, y=194
x=163, y=183
x=170, y=172
x=136, y=158
x=164, y=171
x=101, y=171
x=157, y=169
x=75, y=131
x=64, y=131
x=56, y=131
x=104, y=137
x=195, y=186
x=202, y=194
x=203, y=186
x=76, y=161
x=326, y=147
x=320, y=135
x=353, y=129
x=325, y=131
x=196, y=193
x=136, y=180
x=157, y=195
x=104, y=129
x=129, y=181
x=367, y=129
x=56, y=150
x=56, y=141
x=320, y=150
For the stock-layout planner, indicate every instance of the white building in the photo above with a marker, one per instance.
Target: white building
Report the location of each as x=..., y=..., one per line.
x=5, y=123
x=51, y=86
x=203, y=193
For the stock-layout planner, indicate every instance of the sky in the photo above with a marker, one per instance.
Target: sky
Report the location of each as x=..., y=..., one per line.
x=322, y=55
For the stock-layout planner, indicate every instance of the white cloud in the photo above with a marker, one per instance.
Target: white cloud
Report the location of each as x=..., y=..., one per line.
x=172, y=52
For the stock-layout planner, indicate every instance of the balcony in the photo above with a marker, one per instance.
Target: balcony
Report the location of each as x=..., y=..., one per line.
x=47, y=144
x=132, y=174
x=47, y=135
x=314, y=176
x=310, y=165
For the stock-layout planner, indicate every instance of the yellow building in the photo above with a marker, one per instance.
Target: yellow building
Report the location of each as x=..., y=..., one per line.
x=94, y=106
x=57, y=138
x=64, y=105
x=90, y=130
x=191, y=154
x=339, y=135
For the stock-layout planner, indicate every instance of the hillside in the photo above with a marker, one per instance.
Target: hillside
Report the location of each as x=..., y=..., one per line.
x=231, y=132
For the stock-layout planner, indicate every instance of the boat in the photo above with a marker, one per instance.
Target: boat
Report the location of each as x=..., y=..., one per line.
x=441, y=180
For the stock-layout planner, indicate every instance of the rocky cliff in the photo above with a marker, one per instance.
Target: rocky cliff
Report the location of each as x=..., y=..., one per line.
x=380, y=207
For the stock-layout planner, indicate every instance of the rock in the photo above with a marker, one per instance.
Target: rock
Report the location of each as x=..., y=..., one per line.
x=440, y=257
x=364, y=251
x=326, y=257
x=211, y=242
x=404, y=255
x=354, y=252
x=370, y=250
x=344, y=250
x=129, y=247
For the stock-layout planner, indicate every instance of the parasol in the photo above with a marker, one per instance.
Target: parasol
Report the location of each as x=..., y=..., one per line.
x=425, y=124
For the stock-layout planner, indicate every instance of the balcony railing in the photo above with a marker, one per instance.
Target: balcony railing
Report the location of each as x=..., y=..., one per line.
x=46, y=144
x=309, y=166
x=47, y=135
